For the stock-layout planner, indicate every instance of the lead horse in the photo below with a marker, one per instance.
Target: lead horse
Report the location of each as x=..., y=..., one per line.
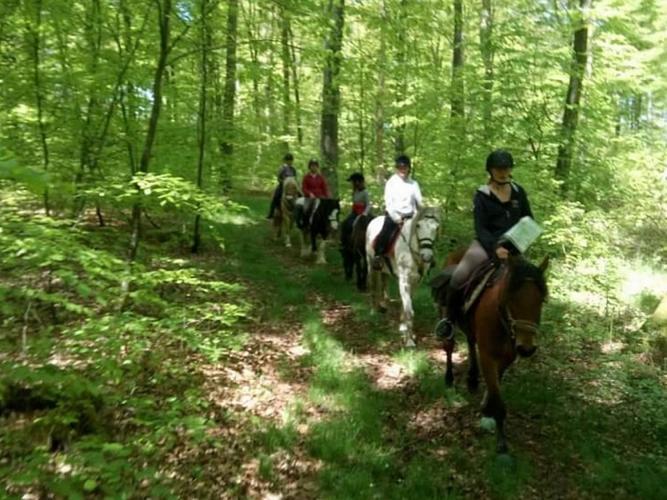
x=283, y=220
x=412, y=257
x=503, y=324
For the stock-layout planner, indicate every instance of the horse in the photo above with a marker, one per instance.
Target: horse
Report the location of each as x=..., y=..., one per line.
x=353, y=251
x=283, y=220
x=502, y=324
x=321, y=221
x=412, y=258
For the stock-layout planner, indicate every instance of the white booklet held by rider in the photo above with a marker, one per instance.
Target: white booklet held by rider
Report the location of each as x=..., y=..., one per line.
x=522, y=234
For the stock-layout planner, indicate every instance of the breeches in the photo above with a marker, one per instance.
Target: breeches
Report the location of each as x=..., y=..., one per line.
x=474, y=257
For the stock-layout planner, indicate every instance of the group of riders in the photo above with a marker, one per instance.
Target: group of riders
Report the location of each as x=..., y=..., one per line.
x=498, y=205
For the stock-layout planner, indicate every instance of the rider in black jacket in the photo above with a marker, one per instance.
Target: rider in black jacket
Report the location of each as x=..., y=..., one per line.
x=498, y=205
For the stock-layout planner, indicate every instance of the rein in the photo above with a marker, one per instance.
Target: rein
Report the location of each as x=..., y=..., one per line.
x=510, y=324
x=422, y=243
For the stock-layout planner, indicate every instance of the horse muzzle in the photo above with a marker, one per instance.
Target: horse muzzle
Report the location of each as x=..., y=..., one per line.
x=426, y=256
x=526, y=351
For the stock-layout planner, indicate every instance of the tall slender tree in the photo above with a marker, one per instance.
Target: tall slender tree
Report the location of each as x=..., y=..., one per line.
x=574, y=92
x=229, y=96
x=331, y=93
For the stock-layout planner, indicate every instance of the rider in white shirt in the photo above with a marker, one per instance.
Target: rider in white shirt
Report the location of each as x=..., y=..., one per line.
x=402, y=199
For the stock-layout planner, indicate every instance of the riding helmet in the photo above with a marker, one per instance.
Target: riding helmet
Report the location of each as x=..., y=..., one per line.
x=288, y=157
x=403, y=160
x=357, y=176
x=313, y=161
x=499, y=159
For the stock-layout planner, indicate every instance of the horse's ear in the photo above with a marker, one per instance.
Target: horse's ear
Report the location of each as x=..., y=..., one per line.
x=544, y=264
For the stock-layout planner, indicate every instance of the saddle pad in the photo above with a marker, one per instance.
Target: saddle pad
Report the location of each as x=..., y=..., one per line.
x=472, y=297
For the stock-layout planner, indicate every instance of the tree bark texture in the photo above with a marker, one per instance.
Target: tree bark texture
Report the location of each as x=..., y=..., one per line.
x=331, y=94
x=487, y=52
x=573, y=97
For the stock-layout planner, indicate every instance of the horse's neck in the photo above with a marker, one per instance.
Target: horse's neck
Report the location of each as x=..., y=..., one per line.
x=407, y=234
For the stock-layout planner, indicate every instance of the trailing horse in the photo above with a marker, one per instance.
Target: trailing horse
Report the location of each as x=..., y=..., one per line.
x=411, y=259
x=501, y=324
x=353, y=250
x=320, y=222
x=283, y=219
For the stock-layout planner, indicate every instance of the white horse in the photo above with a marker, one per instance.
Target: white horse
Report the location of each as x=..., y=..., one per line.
x=412, y=257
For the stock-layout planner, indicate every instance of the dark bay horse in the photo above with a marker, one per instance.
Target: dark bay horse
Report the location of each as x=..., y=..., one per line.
x=503, y=323
x=321, y=222
x=353, y=250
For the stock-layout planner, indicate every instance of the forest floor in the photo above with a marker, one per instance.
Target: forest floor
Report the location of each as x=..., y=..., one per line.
x=310, y=395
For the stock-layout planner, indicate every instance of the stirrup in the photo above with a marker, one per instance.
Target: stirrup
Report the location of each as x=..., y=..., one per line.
x=444, y=329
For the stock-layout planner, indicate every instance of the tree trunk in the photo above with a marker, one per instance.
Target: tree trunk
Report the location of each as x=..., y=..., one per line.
x=403, y=77
x=573, y=97
x=229, y=99
x=457, y=111
x=297, y=97
x=331, y=94
x=285, y=56
x=34, y=31
x=379, y=101
x=202, y=115
x=487, y=52
x=164, y=16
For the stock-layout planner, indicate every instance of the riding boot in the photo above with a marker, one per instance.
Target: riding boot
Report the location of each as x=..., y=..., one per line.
x=444, y=329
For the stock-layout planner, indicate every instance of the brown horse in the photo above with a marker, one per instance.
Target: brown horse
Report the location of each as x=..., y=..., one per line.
x=283, y=220
x=503, y=323
x=353, y=250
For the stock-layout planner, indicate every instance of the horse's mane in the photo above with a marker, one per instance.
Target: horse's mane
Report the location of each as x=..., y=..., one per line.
x=290, y=186
x=521, y=271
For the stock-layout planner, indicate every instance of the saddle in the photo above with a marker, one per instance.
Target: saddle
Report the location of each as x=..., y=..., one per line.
x=484, y=276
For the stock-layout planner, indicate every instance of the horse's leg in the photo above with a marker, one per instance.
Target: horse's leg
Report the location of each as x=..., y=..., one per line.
x=361, y=265
x=448, y=346
x=405, y=289
x=304, y=246
x=321, y=256
x=473, y=367
x=348, y=262
x=384, y=292
x=493, y=405
x=287, y=230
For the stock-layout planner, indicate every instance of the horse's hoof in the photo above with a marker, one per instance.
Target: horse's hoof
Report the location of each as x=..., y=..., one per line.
x=503, y=458
x=487, y=423
x=410, y=344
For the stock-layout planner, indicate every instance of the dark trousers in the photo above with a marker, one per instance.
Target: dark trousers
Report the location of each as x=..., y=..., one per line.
x=275, y=201
x=386, y=233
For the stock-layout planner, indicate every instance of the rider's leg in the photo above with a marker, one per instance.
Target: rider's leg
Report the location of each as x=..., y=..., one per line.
x=474, y=257
x=383, y=239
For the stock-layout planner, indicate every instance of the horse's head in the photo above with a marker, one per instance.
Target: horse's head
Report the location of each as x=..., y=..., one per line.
x=521, y=305
x=425, y=230
x=290, y=192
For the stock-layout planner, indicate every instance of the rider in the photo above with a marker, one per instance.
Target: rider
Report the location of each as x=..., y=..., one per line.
x=360, y=205
x=314, y=187
x=498, y=205
x=402, y=198
x=286, y=170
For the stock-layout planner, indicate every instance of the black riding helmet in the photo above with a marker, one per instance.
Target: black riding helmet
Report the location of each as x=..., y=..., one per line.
x=288, y=157
x=403, y=160
x=499, y=159
x=357, y=176
x=313, y=161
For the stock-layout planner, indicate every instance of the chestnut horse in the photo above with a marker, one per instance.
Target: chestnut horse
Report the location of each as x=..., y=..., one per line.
x=503, y=323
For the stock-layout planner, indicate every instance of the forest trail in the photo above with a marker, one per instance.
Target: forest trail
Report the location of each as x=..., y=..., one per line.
x=344, y=412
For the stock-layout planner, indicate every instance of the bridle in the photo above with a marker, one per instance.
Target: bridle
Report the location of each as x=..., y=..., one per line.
x=510, y=324
x=422, y=243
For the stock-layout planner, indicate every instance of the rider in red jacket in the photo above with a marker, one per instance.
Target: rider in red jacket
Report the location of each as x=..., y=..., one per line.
x=314, y=186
